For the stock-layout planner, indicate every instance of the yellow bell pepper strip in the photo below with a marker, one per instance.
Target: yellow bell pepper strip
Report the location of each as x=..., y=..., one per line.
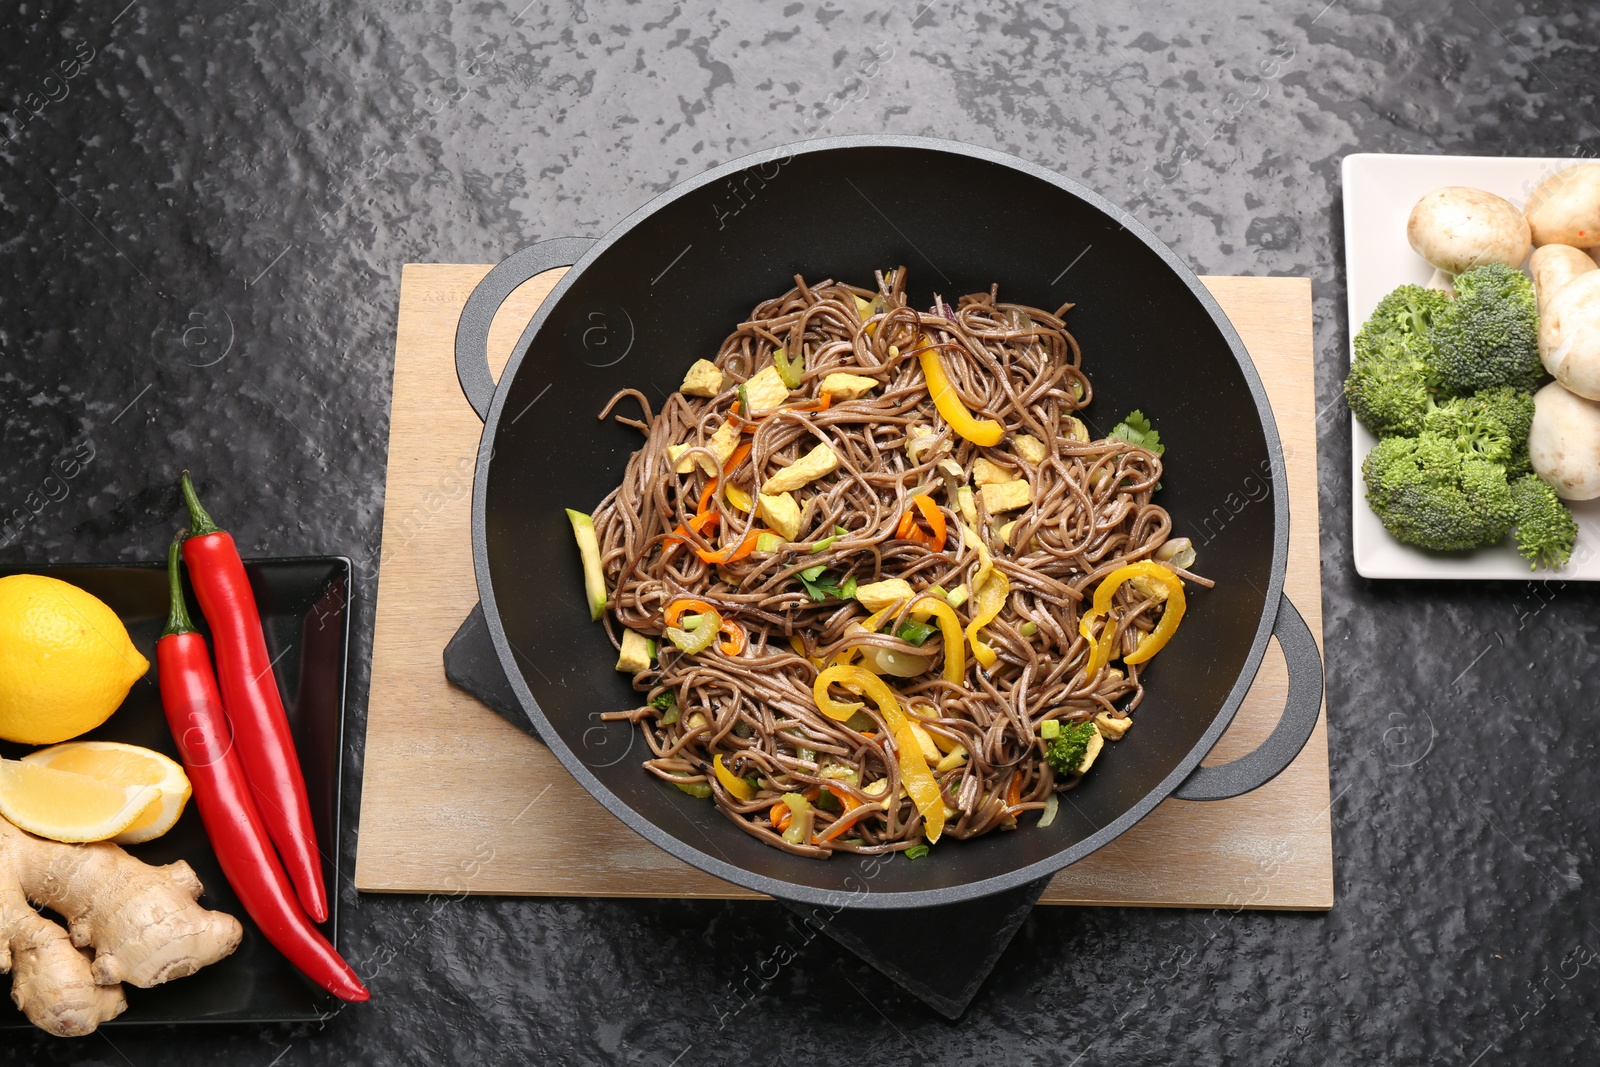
x=837, y=710
x=741, y=789
x=738, y=499
x=594, y=579
x=955, y=652
x=1170, y=617
x=914, y=773
x=985, y=561
x=986, y=604
x=1099, y=648
x=979, y=431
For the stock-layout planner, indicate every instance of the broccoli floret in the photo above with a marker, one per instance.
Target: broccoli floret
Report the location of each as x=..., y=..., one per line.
x=1489, y=334
x=1491, y=423
x=1546, y=530
x=1428, y=493
x=1065, y=754
x=1390, y=380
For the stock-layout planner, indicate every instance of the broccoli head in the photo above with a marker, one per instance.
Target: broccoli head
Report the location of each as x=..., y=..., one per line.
x=1489, y=334
x=1491, y=423
x=1066, y=752
x=1427, y=492
x=1390, y=376
x=1545, y=530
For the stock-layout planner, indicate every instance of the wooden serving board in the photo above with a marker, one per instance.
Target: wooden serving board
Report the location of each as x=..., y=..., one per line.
x=456, y=800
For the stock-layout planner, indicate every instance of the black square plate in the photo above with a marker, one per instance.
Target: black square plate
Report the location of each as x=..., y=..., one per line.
x=305, y=611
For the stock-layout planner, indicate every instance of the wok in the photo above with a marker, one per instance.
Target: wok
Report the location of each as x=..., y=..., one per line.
x=670, y=281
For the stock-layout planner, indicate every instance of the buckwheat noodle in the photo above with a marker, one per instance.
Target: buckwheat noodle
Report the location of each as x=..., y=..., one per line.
x=1091, y=512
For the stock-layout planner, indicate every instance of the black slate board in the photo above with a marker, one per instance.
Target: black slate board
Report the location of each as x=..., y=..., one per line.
x=305, y=611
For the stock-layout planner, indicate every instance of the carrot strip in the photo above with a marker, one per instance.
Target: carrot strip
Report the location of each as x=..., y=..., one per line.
x=733, y=552
x=842, y=795
x=815, y=405
x=736, y=638
x=845, y=821
x=699, y=524
x=933, y=517
x=676, y=609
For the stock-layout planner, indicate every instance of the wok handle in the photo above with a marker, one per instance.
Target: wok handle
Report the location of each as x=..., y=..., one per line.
x=472, y=332
x=1293, y=730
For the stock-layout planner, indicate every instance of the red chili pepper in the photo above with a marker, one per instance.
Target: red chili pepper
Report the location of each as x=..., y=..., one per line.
x=227, y=809
x=250, y=695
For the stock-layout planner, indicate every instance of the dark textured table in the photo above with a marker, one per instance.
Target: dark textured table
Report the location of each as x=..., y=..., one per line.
x=205, y=216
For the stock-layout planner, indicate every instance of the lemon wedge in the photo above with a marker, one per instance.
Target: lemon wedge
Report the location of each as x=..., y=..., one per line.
x=69, y=807
x=117, y=764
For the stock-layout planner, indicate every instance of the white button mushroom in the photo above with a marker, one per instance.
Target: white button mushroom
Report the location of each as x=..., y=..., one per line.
x=1564, y=443
x=1553, y=266
x=1565, y=208
x=1569, y=335
x=1456, y=229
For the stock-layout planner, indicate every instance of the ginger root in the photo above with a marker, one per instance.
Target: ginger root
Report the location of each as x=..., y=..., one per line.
x=142, y=922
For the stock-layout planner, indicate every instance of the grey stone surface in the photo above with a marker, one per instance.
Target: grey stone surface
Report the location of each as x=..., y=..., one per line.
x=206, y=208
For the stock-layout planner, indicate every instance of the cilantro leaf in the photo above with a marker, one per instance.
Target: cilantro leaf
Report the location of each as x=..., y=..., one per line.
x=667, y=704
x=1136, y=430
x=914, y=631
x=820, y=585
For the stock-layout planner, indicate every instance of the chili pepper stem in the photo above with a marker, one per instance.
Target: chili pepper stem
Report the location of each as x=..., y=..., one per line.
x=200, y=521
x=178, y=621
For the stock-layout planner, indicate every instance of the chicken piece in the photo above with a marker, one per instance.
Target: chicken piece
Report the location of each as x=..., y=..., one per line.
x=703, y=379
x=840, y=386
x=780, y=512
x=803, y=471
x=1006, y=496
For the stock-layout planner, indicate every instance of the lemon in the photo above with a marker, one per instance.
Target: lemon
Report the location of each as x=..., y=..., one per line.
x=66, y=662
x=118, y=764
x=69, y=807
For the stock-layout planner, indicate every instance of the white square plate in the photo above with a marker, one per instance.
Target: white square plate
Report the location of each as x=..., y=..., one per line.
x=1379, y=193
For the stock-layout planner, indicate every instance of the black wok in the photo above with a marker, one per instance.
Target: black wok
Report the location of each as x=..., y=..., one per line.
x=670, y=281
